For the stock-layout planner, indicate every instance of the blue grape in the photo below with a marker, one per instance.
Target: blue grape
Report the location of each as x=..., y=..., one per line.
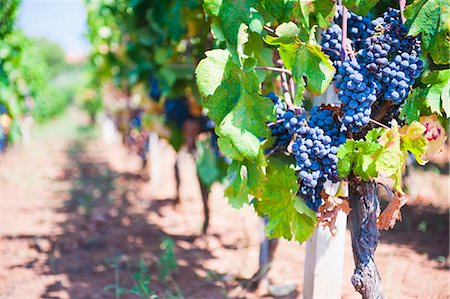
x=315, y=153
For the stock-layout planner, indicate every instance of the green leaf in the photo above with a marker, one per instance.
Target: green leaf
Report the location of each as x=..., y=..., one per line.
x=412, y=140
x=279, y=9
x=212, y=7
x=246, y=178
x=255, y=49
x=346, y=157
x=430, y=17
x=312, y=63
x=390, y=160
x=286, y=33
x=288, y=216
x=239, y=137
x=360, y=7
x=235, y=17
x=237, y=191
x=227, y=148
x=437, y=91
x=413, y=105
x=374, y=134
x=218, y=82
x=208, y=168
x=316, y=12
x=358, y=156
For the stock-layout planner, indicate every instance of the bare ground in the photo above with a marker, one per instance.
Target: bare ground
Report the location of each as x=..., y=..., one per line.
x=76, y=218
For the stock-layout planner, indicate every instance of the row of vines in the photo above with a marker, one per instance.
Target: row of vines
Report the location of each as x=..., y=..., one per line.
x=26, y=71
x=237, y=83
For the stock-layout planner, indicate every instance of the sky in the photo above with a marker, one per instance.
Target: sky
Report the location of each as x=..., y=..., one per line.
x=61, y=21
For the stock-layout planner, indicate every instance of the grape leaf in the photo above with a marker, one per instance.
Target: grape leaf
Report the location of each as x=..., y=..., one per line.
x=413, y=106
x=288, y=215
x=316, y=12
x=390, y=159
x=234, y=129
x=437, y=92
x=305, y=59
x=246, y=178
x=212, y=7
x=285, y=34
x=358, y=156
x=413, y=140
x=208, y=167
x=234, y=19
x=434, y=133
x=279, y=9
x=360, y=7
x=312, y=63
x=430, y=17
x=237, y=191
x=255, y=49
x=229, y=150
x=391, y=213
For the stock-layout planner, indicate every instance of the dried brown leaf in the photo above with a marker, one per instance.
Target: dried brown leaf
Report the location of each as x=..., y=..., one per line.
x=391, y=214
x=329, y=210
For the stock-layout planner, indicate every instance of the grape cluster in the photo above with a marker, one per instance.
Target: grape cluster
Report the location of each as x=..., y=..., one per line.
x=357, y=92
x=392, y=57
x=315, y=149
x=359, y=28
x=384, y=66
x=155, y=91
x=287, y=124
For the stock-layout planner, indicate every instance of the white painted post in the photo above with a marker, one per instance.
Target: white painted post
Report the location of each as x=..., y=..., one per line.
x=324, y=262
x=109, y=132
x=154, y=160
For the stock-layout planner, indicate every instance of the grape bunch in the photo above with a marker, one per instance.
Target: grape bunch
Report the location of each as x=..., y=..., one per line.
x=384, y=66
x=359, y=28
x=287, y=124
x=357, y=92
x=392, y=57
x=315, y=148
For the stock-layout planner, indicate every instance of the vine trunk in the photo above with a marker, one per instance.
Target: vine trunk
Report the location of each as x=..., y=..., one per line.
x=365, y=210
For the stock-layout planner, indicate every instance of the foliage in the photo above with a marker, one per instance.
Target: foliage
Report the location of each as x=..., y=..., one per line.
x=26, y=70
x=229, y=80
x=167, y=263
x=51, y=54
x=138, y=43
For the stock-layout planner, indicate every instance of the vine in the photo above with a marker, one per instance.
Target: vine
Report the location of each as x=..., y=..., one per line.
x=290, y=160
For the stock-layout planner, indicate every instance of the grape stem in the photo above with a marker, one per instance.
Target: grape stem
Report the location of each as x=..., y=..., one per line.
x=346, y=49
x=383, y=110
x=272, y=151
x=378, y=123
x=402, y=4
x=275, y=69
x=344, y=33
x=331, y=50
x=292, y=87
x=269, y=29
x=287, y=96
x=275, y=122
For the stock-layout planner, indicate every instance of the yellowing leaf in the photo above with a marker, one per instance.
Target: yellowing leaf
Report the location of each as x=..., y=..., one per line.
x=414, y=141
x=435, y=134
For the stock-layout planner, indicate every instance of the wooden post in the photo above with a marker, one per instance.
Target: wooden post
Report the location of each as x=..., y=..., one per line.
x=324, y=261
x=109, y=131
x=365, y=234
x=154, y=159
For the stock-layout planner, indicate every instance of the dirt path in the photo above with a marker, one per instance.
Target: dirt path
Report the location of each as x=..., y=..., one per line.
x=77, y=222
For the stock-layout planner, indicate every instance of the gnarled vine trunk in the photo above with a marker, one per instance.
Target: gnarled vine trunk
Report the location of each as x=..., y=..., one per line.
x=365, y=209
